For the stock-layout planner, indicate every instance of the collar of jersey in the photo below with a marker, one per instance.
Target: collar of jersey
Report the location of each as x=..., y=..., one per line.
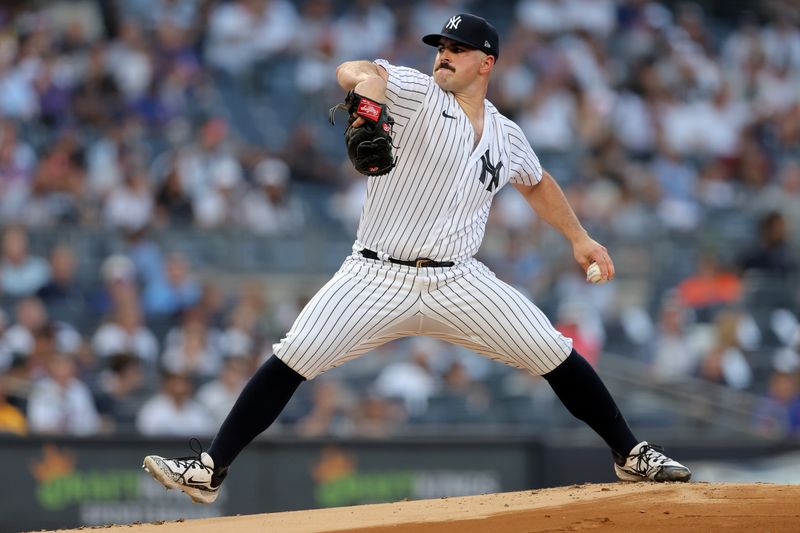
x=488, y=130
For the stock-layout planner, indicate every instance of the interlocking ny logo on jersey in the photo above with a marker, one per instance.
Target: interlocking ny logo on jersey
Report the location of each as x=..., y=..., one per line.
x=494, y=170
x=453, y=23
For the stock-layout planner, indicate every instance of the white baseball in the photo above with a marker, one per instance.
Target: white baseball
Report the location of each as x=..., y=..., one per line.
x=593, y=274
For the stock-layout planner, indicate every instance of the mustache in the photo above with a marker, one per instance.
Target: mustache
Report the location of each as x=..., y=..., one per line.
x=445, y=66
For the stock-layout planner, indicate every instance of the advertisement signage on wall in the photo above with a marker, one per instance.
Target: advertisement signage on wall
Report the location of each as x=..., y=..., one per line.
x=60, y=485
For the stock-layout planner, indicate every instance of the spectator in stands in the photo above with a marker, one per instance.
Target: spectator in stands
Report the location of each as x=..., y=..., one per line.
x=305, y=158
x=60, y=403
x=771, y=255
x=675, y=354
x=173, y=204
x=583, y=326
x=129, y=61
x=783, y=196
x=365, y=29
x=778, y=411
x=12, y=420
x=272, y=210
x=219, y=395
x=176, y=290
x=126, y=333
x=21, y=274
x=242, y=333
x=217, y=204
x=377, y=416
x=709, y=286
x=57, y=192
x=143, y=259
x=457, y=382
x=332, y=402
x=118, y=274
x=120, y=392
x=17, y=164
x=32, y=328
x=413, y=381
x=725, y=363
x=242, y=33
x=129, y=205
x=97, y=100
x=173, y=411
x=210, y=152
x=64, y=296
x=678, y=207
x=193, y=349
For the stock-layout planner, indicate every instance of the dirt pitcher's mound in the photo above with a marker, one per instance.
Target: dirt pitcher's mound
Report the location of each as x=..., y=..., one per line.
x=671, y=507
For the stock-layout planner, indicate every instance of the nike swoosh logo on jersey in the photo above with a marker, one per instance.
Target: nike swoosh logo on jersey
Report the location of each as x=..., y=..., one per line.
x=445, y=115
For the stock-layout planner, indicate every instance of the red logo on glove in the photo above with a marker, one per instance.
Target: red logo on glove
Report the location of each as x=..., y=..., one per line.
x=369, y=110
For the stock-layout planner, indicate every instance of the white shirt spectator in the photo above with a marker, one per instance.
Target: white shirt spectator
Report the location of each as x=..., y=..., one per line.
x=23, y=279
x=721, y=124
x=111, y=339
x=163, y=417
x=550, y=126
x=104, y=172
x=583, y=62
x=215, y=206
x=218, y=396
x=364, y=31
x=272, y=210
x=544, y=16
x=238, y=37
x=130, y=206
x=18, y=98
x=596, y=16
x=129, y=63
x=67, y=410
x=196, y=360
x=781, y=44
x=633, y=123
x=218, y=400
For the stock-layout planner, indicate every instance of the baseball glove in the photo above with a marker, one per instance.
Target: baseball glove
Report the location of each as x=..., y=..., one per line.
x=369, y=146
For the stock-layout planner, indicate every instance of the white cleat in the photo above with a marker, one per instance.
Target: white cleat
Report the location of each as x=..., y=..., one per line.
x=193, y=475
x=646, y=462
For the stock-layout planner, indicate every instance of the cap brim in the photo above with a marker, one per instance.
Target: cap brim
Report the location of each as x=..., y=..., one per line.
x=432, y=39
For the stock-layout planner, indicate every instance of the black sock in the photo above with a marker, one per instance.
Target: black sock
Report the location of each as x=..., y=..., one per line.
x=259, y=404
x=582, y=392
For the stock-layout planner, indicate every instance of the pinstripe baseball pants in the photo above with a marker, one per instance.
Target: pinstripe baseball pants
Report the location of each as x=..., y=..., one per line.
x=370, y=302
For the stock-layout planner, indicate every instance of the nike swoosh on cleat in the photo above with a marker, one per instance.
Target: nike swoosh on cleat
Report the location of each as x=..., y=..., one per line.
x=197, y=484
x=445, y=115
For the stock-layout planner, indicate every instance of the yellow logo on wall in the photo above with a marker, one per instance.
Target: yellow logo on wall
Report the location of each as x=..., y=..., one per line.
x=54, y=464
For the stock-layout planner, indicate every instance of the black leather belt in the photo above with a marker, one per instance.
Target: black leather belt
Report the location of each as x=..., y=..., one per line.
x=419, y=263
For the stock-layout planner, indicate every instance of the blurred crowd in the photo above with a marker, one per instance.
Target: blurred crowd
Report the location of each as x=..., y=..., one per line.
x=674, y=131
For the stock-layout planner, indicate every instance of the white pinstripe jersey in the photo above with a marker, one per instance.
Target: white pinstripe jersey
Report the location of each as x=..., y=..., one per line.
x=436, y=201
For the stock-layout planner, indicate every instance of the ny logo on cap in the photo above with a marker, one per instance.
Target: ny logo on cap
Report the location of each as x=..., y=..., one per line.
x=453, y=23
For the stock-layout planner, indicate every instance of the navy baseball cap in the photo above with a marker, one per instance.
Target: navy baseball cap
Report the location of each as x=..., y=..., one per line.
x=471, y=30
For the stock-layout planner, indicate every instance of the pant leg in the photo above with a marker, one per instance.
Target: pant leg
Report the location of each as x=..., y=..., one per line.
x=359, y=309
x=492, y=318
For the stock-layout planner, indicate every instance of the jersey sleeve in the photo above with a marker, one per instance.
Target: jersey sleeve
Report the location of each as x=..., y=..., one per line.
x=525, y=166
x=406, y=88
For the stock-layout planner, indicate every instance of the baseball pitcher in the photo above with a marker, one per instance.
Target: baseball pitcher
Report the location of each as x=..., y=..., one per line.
x=436, y=152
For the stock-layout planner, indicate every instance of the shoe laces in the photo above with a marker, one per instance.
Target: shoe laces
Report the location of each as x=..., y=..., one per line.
x=650, y=456
x=195, y=461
